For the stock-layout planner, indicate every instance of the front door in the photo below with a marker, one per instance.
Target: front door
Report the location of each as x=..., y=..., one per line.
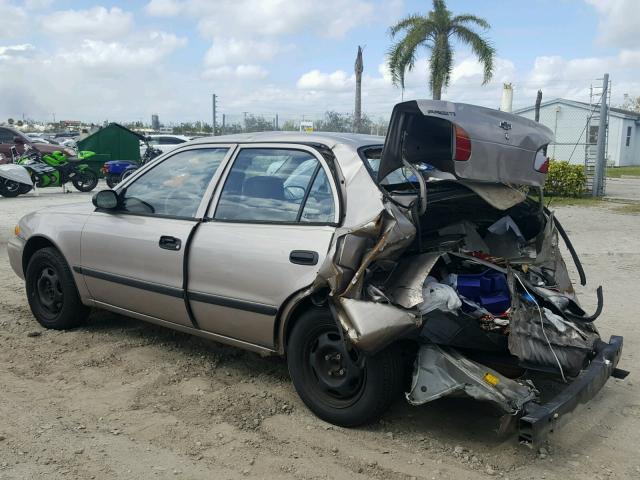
x=133, y=258
x=266, y=236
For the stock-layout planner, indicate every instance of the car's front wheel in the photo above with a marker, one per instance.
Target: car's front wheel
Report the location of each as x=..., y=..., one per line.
x=51, y=291
x=336, y=381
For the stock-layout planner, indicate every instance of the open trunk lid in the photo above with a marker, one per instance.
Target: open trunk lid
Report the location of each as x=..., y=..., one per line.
x=468, y=141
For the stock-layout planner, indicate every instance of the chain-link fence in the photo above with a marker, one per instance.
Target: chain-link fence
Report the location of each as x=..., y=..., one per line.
x=575, y=126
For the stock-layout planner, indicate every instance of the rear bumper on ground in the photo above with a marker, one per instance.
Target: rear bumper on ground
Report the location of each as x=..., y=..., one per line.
x=15, y=247
x=539, y=420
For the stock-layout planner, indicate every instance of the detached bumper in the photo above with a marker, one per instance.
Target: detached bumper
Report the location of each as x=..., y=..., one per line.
x=541, y=419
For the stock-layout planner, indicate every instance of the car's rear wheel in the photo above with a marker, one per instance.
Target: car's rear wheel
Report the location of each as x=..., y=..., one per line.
x=336, y=381
x=51, y=291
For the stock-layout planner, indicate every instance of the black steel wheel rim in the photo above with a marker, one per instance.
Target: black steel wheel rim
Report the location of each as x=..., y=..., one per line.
x=335, y=373
x=11, y=186
x=49, y=290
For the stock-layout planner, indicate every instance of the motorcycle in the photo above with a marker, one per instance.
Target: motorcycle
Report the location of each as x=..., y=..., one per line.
x=14, y=180
x=115, y=171
x=50, y=170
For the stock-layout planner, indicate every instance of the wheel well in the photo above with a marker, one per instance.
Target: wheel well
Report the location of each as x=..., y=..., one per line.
x=303, y=306
x=33, y=245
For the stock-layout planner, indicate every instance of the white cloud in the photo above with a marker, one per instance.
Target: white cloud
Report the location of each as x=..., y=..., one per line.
x=328, y=18
x=163, y=8
x=226, y=51
x=239, y=71
x=12, y=52
x=97, y=22
x=14, y=20
x=317, y=80
x=619, y=24
x=137, y=51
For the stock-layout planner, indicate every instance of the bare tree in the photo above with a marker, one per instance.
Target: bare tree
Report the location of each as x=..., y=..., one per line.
x=359, y=66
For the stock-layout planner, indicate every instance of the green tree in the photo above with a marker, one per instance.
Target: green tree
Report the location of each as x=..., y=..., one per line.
x=289, y=126
x=435, y=32
x=11, y=121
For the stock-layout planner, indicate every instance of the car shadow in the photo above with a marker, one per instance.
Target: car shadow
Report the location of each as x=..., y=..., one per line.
x=449, y=420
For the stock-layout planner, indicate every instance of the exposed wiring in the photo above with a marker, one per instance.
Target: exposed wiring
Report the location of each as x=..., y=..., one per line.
x=564, y=379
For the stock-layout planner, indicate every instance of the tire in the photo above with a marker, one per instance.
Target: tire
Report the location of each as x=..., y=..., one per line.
x=85, y=181
x=51, y=291
x=10, y=189
x=127, y=173
x=25, y=188
x=359, y=389
x=112, y=181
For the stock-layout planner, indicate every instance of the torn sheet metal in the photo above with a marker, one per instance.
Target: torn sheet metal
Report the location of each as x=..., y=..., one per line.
x=396, y=234
x=497, y=195
x=405, y=284
x=370, y=326
x=439, y=372
x=534, y=338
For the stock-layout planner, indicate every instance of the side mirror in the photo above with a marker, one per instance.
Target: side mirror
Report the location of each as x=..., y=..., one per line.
x=106, y=199
x=18, y=140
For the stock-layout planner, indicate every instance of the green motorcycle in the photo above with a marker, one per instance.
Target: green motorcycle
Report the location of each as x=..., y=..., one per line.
x=55, y=169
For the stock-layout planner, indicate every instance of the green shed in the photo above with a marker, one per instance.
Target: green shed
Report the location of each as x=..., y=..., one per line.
x=113, y=142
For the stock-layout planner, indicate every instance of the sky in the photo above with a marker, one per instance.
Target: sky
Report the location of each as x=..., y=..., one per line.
x=124, y=60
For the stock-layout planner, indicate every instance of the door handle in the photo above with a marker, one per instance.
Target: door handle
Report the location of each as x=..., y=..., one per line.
x=303, y=257
x=170, y=243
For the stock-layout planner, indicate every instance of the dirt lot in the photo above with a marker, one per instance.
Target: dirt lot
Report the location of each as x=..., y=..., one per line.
x=123, y=399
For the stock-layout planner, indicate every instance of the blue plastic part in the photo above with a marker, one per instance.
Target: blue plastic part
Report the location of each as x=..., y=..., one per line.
x=488, y=289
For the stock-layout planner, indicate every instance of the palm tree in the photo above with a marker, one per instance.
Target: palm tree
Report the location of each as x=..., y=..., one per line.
x=435, y=31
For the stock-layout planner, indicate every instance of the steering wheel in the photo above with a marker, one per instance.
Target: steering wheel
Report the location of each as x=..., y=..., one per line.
x=294, y=192
x=186, y=199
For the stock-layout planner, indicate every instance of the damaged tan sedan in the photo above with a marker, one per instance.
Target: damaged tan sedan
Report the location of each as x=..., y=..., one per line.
x=423, y=263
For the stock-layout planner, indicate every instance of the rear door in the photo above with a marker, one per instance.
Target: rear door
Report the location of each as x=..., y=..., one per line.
x=133, y=258
x=268, y=231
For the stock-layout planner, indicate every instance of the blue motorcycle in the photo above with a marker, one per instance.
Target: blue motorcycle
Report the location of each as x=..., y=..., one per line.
x=115, y=171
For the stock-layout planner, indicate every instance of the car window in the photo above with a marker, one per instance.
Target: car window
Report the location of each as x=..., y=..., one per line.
x=175, y=186
x=272, y=185
x=372, y=158
x=6, y=136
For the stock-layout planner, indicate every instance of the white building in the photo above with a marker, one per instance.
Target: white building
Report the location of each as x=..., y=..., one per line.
x=574, y=132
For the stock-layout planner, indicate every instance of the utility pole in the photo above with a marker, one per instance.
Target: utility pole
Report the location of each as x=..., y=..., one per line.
x=214, y=101
x=538, y=102
x=358, y=68
x=598, y=178
x=223, y=123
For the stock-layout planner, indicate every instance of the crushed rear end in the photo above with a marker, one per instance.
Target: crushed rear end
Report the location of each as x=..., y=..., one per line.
x=464, y=260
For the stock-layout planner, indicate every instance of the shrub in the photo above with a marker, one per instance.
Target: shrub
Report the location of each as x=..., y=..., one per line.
x=565, y=180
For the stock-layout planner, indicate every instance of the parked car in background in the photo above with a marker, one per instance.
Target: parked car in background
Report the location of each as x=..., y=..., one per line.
x=376, y=266
x=163, y=142
x=10, y=137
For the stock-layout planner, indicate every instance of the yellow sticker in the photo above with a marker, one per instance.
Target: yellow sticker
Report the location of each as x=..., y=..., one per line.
x=491, y=379
x=16, y=230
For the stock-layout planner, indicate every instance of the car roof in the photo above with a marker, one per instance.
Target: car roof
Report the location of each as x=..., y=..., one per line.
x=329, y=139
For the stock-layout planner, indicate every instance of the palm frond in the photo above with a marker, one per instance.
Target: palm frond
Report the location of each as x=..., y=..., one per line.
x=440, y=65
x=481, y=47
x=407, y=23
x=468, y=18
x=402, y=54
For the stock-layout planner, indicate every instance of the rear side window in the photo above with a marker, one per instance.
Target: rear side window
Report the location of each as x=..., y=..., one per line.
x=6, y=136
x=276, y=185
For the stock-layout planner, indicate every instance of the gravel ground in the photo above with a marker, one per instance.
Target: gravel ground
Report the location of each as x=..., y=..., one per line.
x=123, y=399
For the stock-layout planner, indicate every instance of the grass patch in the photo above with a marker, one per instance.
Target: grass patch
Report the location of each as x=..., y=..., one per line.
x=573, y=201
x=617, y=172
x=629, y=209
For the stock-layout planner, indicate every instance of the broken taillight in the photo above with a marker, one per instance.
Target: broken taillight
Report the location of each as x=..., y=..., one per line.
x=541, y=163
x=463, y=144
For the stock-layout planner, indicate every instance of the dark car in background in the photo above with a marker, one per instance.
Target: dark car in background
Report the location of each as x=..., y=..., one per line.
x=10, y=137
